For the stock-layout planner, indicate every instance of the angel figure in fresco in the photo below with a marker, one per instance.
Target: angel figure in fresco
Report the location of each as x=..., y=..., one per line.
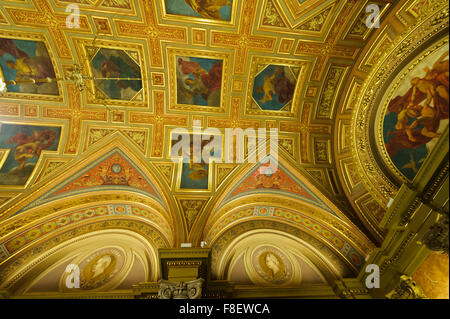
x=8, y=46
x=268, y=87
x=38, y=68
x=206, y=84
x=278, y=83
x=208, y=8
x=432, y=91
x=31, y=146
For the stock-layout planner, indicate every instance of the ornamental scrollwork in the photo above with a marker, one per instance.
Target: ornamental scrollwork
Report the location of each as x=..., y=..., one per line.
x=180, y=290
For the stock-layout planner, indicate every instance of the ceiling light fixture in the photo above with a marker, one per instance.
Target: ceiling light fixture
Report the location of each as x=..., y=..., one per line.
x=73, y=75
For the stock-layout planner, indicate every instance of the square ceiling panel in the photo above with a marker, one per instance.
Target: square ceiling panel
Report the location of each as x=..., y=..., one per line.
x=24, y=61
x=210, y=9
x=198, y=81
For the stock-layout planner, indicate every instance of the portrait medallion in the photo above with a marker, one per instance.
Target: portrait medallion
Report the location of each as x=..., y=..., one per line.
x=100, y=267
x=272, y=265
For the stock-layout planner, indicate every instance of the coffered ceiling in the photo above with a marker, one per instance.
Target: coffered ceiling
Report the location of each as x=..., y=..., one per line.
x=104, y=151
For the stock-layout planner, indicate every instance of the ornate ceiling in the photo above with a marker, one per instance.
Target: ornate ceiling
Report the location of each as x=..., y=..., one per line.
x=106, y=165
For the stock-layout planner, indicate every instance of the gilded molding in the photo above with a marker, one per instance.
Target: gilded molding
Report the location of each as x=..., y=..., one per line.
x=375, y=180
x=36, y=253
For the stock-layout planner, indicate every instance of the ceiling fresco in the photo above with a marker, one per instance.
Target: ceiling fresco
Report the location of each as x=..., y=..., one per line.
x=86, y=135
x=24, y=59
x=417, y=115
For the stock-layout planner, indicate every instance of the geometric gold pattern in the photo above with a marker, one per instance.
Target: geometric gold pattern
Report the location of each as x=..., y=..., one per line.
x=192, y=208
x=167, y=171
x=51, y=166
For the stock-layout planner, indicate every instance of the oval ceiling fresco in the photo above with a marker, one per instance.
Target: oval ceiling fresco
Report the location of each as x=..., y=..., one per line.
x=415, y=110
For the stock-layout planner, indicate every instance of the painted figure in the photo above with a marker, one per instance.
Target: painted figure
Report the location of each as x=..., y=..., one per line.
x=421, y=109
x=208, y=8
x=31, y=146
x=285, y=87
x=274, y=87
x=26, y=143
x=198, y=172
x=269, y=86
x=111, y=64
x=36, y=68
x=194, y=169
x=10, y=47
x=23, y=60
x=194, y=81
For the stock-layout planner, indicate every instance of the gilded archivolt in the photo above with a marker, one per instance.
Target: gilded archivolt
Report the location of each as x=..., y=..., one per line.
x=216, y=225
x=25, y=259
x=62, y=220
x=221, y=245
x=364, y=100
x=22, y=220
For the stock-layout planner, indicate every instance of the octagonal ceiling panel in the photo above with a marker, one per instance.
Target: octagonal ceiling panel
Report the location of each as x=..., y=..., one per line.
x=117, y=75
x=274, y=87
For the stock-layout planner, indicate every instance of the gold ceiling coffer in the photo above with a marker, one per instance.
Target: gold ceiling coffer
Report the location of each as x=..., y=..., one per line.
x=184, y=272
